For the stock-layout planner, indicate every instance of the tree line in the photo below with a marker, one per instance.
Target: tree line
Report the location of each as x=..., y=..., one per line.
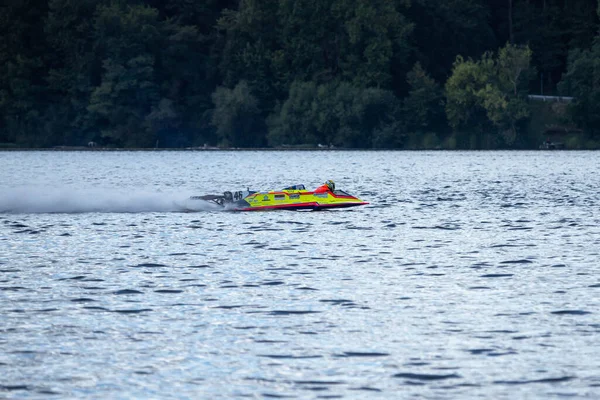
x=268, y=73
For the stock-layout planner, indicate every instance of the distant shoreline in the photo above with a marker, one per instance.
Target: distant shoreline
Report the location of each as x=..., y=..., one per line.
x=113, y=149
x=265, y=149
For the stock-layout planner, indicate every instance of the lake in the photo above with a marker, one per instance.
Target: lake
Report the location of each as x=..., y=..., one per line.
x=469, y=275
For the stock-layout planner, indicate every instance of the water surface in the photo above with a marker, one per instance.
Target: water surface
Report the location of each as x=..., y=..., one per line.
x=470, y=275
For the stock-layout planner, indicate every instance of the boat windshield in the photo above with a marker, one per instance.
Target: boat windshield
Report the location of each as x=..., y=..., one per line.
x=295, y=187
x=341, y=193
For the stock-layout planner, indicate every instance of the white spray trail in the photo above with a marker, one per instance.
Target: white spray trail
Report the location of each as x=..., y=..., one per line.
x=69, y=200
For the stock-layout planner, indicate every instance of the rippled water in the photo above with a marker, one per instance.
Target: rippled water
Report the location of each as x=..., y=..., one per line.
x=470, y=275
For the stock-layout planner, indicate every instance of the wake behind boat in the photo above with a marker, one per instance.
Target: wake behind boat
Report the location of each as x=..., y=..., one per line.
x=291, y=198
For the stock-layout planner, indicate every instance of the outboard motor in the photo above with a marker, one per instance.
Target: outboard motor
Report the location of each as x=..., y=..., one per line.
x=228, y=196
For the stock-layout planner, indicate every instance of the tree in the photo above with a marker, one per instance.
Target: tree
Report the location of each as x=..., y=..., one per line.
x=73, y=68
x=424, y=105
x=445, y=29
x=550, y=28
x=463, y=105
x=377, y=36
x=147, y=73
x=491, y=90
x=249, y=40
x=379, y=114
x=514, y=73
x=339, y=114
x=185, y=71
x=293, y=123
x=237, y=116
x=357, y=41
x=23, y=55
x=582, y=80
x=127, y=37
x=511, y=35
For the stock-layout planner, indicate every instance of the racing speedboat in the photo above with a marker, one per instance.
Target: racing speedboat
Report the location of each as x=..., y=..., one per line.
x=291, y=198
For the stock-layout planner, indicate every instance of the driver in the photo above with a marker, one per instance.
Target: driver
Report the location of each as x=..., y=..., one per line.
x=328, y=186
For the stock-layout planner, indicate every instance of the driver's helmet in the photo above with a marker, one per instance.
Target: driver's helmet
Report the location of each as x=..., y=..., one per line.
x=331, y=185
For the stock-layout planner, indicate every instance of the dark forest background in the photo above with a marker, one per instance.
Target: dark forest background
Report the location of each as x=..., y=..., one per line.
x=299, y=73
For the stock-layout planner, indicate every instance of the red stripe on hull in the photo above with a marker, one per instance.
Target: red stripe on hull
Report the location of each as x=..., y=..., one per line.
x=302, y=206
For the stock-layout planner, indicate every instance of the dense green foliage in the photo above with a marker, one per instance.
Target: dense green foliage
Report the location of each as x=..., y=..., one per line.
x=488, y=96
x=295, y=73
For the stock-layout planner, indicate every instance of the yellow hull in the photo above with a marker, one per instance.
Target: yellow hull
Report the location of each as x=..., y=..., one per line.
x=296, y=200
